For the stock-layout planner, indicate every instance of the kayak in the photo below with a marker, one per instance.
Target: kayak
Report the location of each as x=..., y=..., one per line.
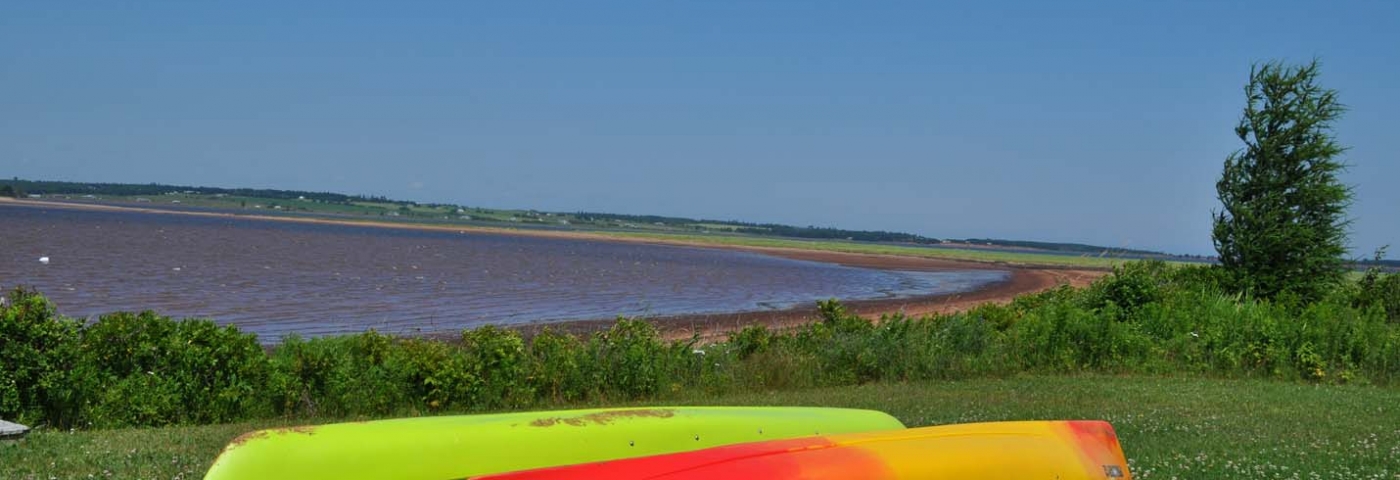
x=1013, y=450
x=439, y=448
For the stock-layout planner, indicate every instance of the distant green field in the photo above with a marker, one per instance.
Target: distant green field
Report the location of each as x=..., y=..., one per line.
x=1170, y=427
x=1017, y=258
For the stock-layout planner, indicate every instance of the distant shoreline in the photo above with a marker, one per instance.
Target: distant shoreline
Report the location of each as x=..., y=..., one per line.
x=1021, y=280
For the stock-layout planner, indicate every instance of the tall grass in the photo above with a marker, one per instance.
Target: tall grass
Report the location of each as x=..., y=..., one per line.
x=1146, y=318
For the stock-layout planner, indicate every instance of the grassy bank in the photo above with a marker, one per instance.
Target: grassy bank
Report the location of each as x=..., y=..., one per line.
x=1170, y=427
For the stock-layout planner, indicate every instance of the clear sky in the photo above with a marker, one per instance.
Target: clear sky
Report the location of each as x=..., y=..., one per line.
x=1099, y=122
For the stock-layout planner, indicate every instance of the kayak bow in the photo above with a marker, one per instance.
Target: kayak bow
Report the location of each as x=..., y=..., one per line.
x=437, y=448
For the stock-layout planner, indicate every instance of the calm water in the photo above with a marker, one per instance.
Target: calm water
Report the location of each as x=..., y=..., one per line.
x=275, y=278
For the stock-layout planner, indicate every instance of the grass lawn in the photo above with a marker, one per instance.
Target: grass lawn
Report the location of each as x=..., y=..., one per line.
x=1170, y=427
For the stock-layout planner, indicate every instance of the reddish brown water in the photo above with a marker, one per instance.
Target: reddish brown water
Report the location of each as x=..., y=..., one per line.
x=276, y=278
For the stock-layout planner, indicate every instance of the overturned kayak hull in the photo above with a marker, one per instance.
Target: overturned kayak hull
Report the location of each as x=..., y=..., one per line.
x=1013, y=450
x=437, y=448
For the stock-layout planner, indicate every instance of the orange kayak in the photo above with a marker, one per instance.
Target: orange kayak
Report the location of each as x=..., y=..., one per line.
x=1065, y=450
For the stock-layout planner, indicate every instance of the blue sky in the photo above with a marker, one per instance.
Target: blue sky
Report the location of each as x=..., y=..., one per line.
x=1098, y=122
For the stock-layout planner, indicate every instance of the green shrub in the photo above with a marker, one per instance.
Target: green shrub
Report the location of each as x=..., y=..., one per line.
x=165, y=371
x=1130, y=287
x=1203, y=278
x=355, y=375
x=498, y=359
x=750, y=340
x=39, y=355
x=439, y=376
x=303, y=372
x=1376, y=290
x=147, y=400
x=221, y=372
x=558, y=371
x=632, y=359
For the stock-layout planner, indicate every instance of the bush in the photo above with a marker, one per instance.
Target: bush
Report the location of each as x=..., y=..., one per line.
x=353, y=375
x=167, y=372
x=497, y=359
x=631, y=359
x=557, y=370
x=38, y=352
x=1131, y=286
x=751, y=340
x=1376, y=290
x=439, y=375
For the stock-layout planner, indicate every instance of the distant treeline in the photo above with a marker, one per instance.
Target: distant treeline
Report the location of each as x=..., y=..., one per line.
x=1385, y=265
x=652, y=219
x=1061, y=247
x=836, y=234
x=38, y=187
x=824, y=233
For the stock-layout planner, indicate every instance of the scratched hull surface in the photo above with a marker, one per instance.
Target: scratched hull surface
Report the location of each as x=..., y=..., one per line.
x=275, y=278
x=436, y=448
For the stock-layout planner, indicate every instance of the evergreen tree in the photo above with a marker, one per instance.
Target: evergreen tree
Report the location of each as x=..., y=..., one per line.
x=1283, y=228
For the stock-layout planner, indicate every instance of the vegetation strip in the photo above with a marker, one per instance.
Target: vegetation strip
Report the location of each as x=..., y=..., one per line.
x=143, y=369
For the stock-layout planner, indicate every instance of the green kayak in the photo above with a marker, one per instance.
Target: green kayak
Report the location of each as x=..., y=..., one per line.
x=438, y=448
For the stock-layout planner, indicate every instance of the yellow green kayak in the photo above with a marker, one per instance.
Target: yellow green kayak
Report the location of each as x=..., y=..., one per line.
x=438, y=448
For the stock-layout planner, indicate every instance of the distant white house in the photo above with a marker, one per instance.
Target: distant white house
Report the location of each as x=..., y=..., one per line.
x=35, y=195
x=142, y=199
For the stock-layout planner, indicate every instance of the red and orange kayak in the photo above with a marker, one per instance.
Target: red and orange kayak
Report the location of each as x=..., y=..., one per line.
x=1065, y=450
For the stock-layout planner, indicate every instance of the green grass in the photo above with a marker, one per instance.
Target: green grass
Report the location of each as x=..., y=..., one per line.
x=1017, y=258
x=1170, y=427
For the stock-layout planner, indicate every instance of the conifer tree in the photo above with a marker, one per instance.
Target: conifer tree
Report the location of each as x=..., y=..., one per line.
x=1283, y=229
